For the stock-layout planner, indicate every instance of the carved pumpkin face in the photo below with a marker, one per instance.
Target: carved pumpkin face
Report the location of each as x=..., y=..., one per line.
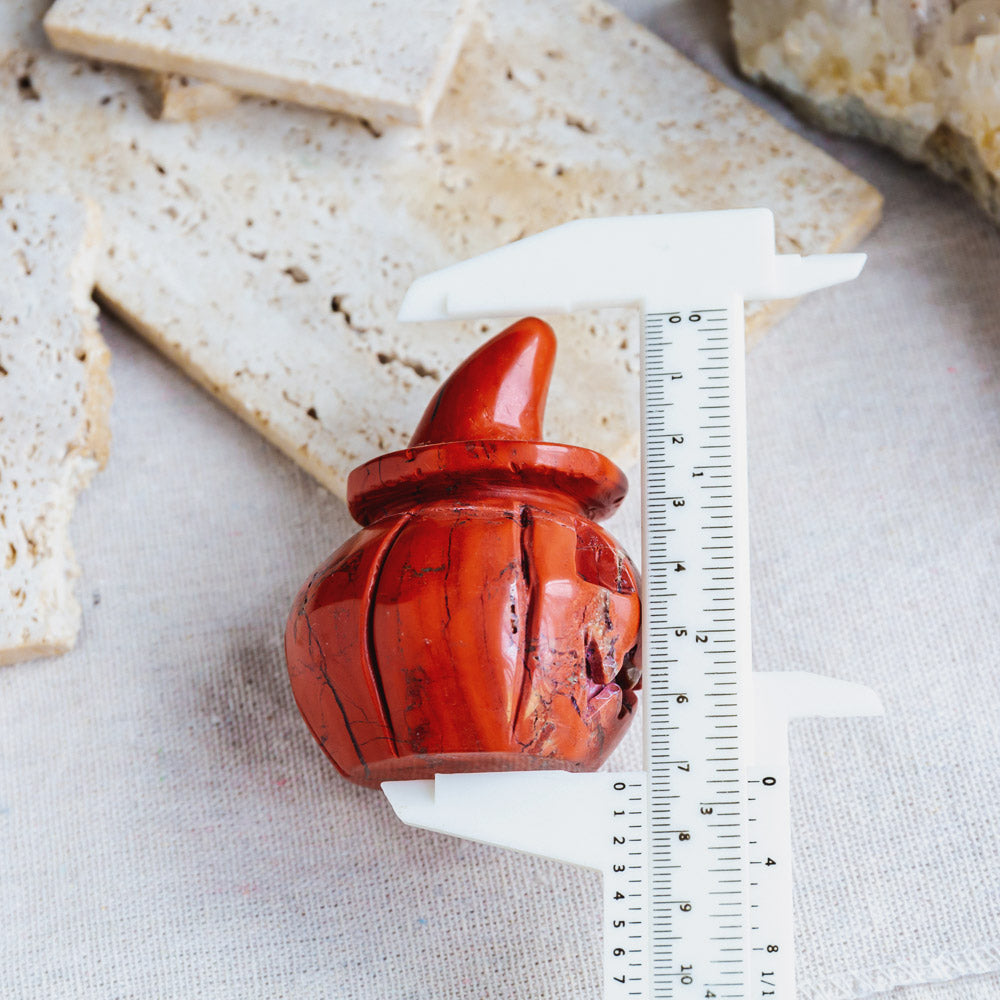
x=481, y=621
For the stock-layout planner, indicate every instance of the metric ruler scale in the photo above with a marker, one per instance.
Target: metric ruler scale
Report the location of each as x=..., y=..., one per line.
x=695, y=648
x=695, y=850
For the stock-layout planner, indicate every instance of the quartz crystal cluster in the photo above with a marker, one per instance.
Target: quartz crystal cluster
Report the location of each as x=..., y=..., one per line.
x=921, y=76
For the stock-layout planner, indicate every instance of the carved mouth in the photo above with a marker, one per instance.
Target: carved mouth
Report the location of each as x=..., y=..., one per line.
x=628, y=679
x=622, y=684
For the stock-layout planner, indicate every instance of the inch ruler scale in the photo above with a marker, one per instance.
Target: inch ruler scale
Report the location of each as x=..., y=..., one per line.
x=695, y=850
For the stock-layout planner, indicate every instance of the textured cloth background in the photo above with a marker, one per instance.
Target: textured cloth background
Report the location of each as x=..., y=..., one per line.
x=168, y=828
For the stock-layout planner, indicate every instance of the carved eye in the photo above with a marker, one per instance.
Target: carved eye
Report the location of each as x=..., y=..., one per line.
x=600, y=562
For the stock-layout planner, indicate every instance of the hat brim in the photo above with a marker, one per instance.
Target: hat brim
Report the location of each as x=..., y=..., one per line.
x=559, y=475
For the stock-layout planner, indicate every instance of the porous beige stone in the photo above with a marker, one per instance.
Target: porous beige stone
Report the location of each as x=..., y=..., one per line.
x=267, y=250
x=54, y=402
x=387, y=60
x=922, y=77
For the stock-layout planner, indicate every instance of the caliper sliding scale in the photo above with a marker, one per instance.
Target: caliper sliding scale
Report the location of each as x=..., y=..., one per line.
x=695, y=851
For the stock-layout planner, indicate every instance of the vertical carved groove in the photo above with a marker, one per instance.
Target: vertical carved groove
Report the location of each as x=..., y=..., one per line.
x=527, y=525
x=319, y=658
x=372, y=664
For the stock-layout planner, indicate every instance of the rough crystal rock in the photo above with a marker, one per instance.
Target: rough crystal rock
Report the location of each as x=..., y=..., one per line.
x=921, y=76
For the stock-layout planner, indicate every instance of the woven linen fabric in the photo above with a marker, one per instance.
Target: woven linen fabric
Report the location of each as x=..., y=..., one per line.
x=169, y=829
x=875, y=460
x=965, y=988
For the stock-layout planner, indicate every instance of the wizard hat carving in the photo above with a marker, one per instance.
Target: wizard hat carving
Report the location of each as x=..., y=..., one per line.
x=484, y=427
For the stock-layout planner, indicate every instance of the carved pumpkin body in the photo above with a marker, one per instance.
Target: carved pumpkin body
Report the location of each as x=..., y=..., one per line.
x=494, y=630
x=479, y=621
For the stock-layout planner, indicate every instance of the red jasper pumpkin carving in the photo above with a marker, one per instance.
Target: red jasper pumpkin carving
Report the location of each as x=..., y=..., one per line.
x=480, y=620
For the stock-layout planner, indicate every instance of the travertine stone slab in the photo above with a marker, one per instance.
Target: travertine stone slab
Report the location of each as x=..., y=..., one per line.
x=267, y=250
x=920, y=77
x=54, y=401
x=387, y=60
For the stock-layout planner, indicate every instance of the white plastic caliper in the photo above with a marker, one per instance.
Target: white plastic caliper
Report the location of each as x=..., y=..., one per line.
x=695, y=850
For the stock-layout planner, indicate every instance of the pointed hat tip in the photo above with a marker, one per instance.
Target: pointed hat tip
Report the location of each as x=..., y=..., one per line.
x=497, y=393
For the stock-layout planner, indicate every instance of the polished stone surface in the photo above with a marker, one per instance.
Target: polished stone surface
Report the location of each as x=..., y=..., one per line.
x=480, y=620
